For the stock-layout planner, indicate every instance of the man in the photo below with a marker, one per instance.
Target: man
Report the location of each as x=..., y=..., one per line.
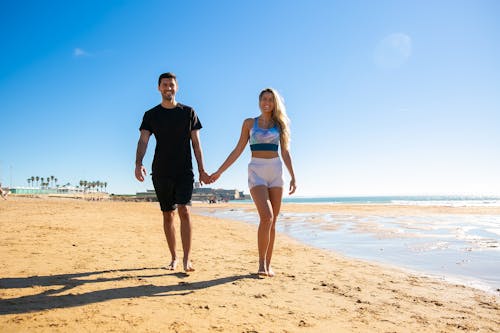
x=176, y=127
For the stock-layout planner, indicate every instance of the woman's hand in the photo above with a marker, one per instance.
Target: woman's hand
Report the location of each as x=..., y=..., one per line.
x=215, y=176
x=293, y=187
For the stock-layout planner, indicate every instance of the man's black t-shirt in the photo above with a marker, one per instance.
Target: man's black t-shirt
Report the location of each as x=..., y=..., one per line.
x=172, y=130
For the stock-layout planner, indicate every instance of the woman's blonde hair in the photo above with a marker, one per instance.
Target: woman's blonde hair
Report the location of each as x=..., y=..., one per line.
x=279, y=116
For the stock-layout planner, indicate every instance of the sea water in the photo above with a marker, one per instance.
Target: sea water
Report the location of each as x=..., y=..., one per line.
x=463, y=248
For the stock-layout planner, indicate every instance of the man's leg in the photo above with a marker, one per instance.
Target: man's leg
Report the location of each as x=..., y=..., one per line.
x=186, y=236
x=169, y=229
x=164, y=189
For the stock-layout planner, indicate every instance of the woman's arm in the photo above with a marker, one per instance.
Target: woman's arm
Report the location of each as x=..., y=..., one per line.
x=240, y=146
x=287, y=159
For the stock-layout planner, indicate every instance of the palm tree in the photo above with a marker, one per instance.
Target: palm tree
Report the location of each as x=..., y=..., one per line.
x=29, y=181
x=37, y=179
x=32, y=180
x=55, y=182
x=106, y=187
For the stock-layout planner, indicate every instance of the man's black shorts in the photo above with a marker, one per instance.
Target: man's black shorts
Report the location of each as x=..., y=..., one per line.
x=173, y=191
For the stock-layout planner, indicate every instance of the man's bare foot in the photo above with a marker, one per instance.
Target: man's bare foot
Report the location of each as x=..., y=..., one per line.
x=172, y=266
x=270, y=271
x=188, y=267
x=262, y=270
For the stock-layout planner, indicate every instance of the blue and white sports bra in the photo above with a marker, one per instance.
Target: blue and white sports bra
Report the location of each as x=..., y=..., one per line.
x=264, y=139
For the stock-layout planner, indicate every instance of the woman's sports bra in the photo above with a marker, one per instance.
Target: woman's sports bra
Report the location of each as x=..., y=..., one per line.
x=264, y=139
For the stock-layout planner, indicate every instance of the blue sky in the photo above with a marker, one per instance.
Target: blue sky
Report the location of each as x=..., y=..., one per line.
x=385, y=97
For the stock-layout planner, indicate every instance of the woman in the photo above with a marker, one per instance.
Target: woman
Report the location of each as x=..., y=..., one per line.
x=265, y=172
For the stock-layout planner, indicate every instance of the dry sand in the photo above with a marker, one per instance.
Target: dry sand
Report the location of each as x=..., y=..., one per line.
x=78, y=266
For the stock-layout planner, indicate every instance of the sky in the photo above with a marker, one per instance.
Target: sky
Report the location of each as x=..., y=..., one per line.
x=384, y=97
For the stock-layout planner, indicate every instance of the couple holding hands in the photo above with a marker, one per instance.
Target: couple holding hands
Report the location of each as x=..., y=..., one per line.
x=176, y=129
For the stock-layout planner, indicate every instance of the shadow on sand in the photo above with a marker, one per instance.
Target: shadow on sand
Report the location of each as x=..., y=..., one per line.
x=49, y=300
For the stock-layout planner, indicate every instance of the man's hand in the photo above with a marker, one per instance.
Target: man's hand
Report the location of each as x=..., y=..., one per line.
x=204, y=177
x=140, y=172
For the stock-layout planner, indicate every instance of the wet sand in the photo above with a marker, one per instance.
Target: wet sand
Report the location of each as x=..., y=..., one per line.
x=460, y=244
x=73, y=265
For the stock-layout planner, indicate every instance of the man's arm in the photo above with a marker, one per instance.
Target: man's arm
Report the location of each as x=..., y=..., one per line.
x=142, y=146
x=198, y=154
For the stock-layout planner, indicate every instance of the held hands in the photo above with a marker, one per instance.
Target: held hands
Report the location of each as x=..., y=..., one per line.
x=140, y=172
x=215, y=176
x=205, y=178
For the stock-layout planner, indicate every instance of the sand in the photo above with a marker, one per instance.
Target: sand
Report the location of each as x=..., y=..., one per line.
x=364, y=209
x=72, y=265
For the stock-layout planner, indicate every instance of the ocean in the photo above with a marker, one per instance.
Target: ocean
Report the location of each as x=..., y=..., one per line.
x=433, y=200
x=461, y=248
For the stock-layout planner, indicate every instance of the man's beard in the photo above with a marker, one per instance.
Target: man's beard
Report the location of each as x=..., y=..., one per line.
x=169, y=97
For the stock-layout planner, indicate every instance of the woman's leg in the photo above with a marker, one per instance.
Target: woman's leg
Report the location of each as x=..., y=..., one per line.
x=260, y=197
x=275, y=195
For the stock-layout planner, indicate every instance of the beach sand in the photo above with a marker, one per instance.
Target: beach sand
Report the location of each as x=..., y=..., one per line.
x=72, y=265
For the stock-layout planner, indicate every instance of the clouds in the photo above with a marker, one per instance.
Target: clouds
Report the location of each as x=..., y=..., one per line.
x=78, y=52
x=393, y=51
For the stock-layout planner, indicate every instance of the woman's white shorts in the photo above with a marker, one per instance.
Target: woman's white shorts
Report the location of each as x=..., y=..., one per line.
x=265, y=171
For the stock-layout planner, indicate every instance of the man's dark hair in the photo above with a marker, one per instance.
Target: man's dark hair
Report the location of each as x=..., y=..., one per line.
x=167, y=76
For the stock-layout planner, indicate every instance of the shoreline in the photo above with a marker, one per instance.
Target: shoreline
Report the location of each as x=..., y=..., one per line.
x=361, y=207
x=419, y=239
x=99, y=266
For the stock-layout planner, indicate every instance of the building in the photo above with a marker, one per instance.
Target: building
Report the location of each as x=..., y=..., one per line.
x=210, y=194
x=149, y=195
x=65, y=189
x=199, y=194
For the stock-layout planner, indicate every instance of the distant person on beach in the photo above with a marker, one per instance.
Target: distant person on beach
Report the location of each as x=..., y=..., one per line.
x=265, y=170
x=176, y=128
x=3, y=193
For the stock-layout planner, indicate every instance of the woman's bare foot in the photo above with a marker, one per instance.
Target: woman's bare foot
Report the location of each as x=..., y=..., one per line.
x=270, y=271
x=188, y=266
x=172, y=266
x=262, y=270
